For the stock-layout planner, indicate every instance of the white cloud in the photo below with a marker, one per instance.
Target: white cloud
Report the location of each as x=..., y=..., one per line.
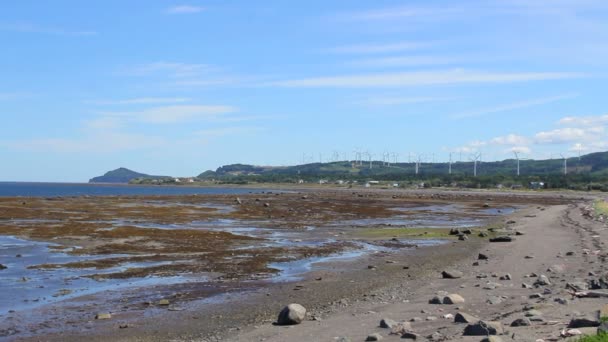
x=173, y=114
x=581, y=121
x=568, y=135
x=513, y=106
x=421, y=78
x=510, y=139
x=520, y=149
x=399, y=13
x=185, y=9
x=381, y=48
x=33, y=28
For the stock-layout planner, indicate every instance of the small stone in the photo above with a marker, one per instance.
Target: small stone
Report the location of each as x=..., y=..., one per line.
x=533, y=312
x=504, y=238
x=482, y=256
x=266, y=205
x=494, y=300
x=374, y=337
x=483, y=328
x=521, y=322
x=492, y=339
x=291, y=314
x=163, y=302
x=536, y=296
x=505, y=277
x=387, y=323
x=431, y=319
x=527, y=286
x=542, y=280
x=416, y=319
x=2, y=267
x=103, y=316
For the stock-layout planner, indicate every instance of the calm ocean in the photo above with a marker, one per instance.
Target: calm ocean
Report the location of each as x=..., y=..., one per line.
x=82, y=189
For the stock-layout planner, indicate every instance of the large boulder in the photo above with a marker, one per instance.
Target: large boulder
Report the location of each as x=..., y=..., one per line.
x=453, y=299
x=503, y=238
x=584, y=322
x=292, y=314
x=483, y=328
x=451, y=274
x=542, y=280
x=462, y=317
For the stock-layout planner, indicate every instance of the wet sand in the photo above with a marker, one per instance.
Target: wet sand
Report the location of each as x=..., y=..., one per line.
x=225, y=266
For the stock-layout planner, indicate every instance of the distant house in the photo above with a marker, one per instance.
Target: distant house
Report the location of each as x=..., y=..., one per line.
x=373, y=182
x=536, y=185
x=177, y=180
x=395, y=185
x=322, y=181
x=301, y=181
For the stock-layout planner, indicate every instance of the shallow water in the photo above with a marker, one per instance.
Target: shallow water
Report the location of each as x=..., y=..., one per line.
x=30, y=288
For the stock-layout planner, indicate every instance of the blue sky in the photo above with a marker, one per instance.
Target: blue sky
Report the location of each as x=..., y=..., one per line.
x=176, y=88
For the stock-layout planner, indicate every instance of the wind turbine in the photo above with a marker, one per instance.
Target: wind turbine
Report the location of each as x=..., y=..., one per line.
x=418, y=161
x=565, y=164
x=394, y=155
x=517, y=157
x=475, y=159
x=450, y=165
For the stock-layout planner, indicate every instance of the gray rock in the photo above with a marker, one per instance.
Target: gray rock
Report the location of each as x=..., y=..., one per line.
x=451, y=274
x=482, y=234
x=2, y=267
x=536, y=296
x=292, y=314
x=584, y=322
x=104, y=315
x=462, y=317
x=435, y=300
x=343, y=339
x=527, y=286
x=494, y=300
x=453, y=299
x=482, y=256
x=374, y=337
x=483, y=328
x=416, y=319
x=491, y=339
x=504, y=238
x=506, y=277
x=521, y=322
x=400, y=328
x=562, y=301
x=463, y=238
x=387, y=323
x=577, y=286
x=533, y=312
x=436, y=336
x=410, y=335
x=542, y=280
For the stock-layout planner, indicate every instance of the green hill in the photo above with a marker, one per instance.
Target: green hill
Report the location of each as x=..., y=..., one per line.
x=588, y=169
x=121, y=175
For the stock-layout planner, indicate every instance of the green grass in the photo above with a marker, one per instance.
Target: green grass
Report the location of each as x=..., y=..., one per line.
x=601, y=337
x=601, y=207
x=604, y=319
x=412, y=233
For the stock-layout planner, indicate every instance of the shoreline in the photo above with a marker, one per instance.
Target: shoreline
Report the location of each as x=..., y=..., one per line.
x=343, y=284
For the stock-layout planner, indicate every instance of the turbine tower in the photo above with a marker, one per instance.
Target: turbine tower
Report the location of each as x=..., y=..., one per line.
x=565, y=164
x=475, y=159
x=450, y=165
x=517, y=158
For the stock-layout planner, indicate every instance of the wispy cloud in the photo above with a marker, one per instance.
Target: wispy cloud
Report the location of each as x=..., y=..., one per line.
x=33, y=28
x=140, y=100
x=381, y=48
x=173, y=114
x=422, y=78
x=169, y=69
x=513, y=106
x=185, y=9
x=399, y=100
x=407, y=61
x=395, y=13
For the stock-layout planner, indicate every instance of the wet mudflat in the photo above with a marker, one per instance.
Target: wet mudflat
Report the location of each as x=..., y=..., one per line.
x=75, y=252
